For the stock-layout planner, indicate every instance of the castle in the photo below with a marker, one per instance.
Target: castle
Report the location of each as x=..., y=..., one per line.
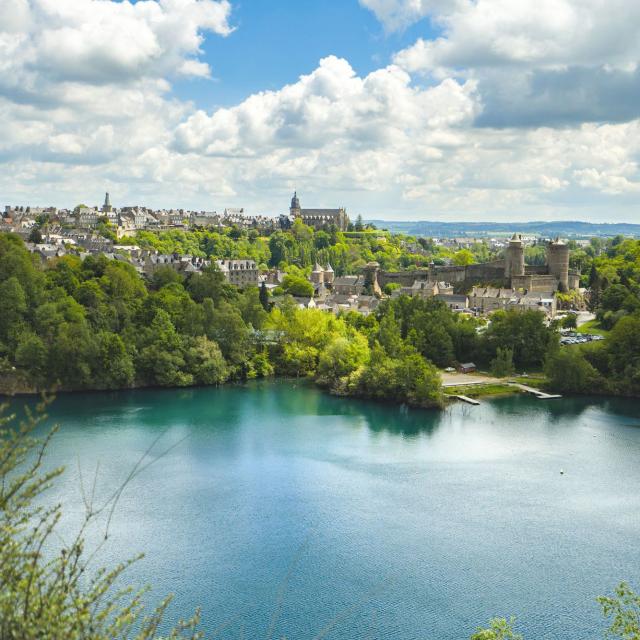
x=319, y=218
x=509, y=272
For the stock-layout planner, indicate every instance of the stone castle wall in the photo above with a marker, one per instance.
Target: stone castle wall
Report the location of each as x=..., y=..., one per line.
x=474, y=273
x=536, y=278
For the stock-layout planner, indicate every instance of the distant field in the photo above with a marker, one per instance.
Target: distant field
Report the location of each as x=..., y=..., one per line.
x=567, y=228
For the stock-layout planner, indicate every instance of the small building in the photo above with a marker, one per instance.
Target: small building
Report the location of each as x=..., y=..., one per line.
x=349, y=285
x=467, y=367
x=241, y=273
x=455, y=302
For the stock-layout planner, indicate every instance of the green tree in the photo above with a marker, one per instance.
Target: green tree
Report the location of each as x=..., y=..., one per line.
x=463, y=258
x=14, y=306
x=210, y=283
x=49, y=595
x=433, y=341
x=206, y=362
x=569, y=371
x=499, y=629
x=264, y=297
x=251, y=307
x=623, y=349
x=280, y=246
x=343, y=356
x=297, y=286
x=226, y=327
x=31, y=356
x=502, y=364
x=161, y=358
x=390, y=287
x=613, y=297
x=524, y=332
x=389, y=335
x=35, y=235
x=115, y=368
x=623, y=610
x=164, y=276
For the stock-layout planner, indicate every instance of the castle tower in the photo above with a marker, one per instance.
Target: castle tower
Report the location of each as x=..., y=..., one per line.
x=294, y=210
x=514, y=257
x=558, y=262
x=329, y=275
x=317, y=275
x=371, y=285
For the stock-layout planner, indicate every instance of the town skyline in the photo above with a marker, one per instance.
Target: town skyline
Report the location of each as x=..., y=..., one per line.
x=400, y=110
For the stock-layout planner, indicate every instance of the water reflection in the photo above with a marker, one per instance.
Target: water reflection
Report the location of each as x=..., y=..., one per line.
x=427, y=502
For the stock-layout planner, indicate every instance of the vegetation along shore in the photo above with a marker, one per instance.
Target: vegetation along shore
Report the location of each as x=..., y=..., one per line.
x=90, y=322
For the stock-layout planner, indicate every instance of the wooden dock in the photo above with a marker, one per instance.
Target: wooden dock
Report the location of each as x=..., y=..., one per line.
x=541, y=395
x=467, y=400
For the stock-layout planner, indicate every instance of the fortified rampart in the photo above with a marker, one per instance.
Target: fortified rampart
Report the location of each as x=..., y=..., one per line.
x=510, y=272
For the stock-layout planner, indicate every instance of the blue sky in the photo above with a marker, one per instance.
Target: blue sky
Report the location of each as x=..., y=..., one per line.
x=276, y=42
x=398, y=109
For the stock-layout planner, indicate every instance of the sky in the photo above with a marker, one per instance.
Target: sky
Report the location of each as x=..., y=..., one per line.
x=396, y=109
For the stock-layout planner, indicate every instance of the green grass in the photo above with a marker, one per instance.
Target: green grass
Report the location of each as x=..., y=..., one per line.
x=537, y=382
x=481, y=390
x=593, y=327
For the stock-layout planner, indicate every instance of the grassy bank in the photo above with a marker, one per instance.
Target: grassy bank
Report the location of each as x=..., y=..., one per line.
x=593, y=327
x=537, y=382
x=482, y=390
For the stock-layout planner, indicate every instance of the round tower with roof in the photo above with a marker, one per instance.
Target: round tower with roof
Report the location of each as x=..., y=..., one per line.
x=514, y=257
x=317, y=275
x=558, y=262
x=329, y=275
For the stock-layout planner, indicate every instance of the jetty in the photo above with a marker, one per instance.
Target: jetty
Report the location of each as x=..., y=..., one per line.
x=467, y=400
x=541, y=395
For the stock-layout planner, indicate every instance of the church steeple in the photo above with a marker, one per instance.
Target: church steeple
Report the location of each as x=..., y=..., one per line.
x=295, y=201
x=107, y=202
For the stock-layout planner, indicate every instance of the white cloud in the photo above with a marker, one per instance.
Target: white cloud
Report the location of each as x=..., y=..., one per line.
x=331, y=106
x=538, y=61
x=81, y=113
x=540, y=33
x=97, y=41
x=398, y=14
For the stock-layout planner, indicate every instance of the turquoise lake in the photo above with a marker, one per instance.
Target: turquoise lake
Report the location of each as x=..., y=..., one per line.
x=283, y=506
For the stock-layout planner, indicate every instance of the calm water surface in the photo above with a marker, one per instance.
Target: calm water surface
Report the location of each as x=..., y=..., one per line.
x=388, y=523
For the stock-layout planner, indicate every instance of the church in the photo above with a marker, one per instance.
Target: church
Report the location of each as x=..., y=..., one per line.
x=319, y=218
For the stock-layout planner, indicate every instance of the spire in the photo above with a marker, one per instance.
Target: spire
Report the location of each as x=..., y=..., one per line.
x=295, y=201
x=107, y=203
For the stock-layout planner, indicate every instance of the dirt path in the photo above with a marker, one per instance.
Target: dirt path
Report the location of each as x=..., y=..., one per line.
x=460, y=379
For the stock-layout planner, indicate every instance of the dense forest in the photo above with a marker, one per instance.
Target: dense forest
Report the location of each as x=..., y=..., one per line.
x=611, y=366
x=96, y=324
